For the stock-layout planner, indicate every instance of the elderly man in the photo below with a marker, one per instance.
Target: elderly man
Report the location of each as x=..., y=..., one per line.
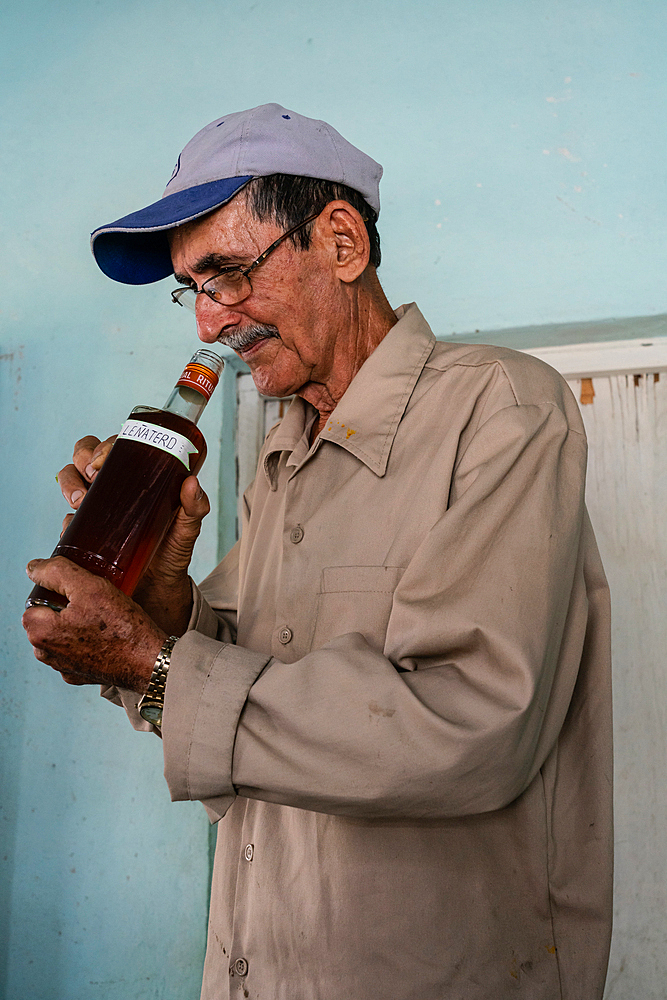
x=393, y=693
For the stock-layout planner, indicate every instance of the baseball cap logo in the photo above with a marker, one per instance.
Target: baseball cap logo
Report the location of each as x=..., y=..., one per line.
x=175, y=170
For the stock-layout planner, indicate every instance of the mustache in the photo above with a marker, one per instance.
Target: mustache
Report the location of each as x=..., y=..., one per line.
x=238, y=340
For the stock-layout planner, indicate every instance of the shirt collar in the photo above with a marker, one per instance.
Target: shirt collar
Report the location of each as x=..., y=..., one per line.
x=368, y=414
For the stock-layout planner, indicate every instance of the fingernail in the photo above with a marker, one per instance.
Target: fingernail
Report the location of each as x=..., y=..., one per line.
x=90, y=470
x=31, y=565
x=76, y=496
x=200, y=493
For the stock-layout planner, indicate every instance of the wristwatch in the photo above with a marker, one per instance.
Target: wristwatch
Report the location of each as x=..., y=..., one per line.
x=151, y=705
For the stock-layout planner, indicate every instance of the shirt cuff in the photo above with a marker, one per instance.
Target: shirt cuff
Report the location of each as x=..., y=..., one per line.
x=128, y=700
x=207, y=686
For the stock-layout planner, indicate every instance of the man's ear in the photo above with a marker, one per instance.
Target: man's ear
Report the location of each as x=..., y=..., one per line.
x=343, y=230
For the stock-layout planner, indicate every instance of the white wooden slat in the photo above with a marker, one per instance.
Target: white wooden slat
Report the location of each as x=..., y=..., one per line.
x=615, y=357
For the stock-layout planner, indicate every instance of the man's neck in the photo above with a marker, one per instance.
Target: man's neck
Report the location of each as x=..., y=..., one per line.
x=371, y=318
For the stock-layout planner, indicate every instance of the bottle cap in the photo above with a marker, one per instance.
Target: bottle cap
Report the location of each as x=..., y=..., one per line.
x=203, y=372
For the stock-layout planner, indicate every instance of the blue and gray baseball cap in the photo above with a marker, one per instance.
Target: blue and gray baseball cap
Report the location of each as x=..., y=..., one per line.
x=214, y=166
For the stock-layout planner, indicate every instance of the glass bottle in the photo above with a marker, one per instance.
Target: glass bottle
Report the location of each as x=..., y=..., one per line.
x=135, y=495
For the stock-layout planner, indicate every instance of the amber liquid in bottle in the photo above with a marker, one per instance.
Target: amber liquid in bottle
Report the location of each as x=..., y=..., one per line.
x=135, y=496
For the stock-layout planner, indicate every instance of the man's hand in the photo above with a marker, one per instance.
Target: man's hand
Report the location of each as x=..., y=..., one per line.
x=164, y=591
x=101, y=637
x=87, y=460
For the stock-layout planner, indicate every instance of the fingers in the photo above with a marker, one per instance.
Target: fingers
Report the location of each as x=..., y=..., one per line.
x=72, y=485
x=41, y=624
x=73, y=678
x=88, y=458
x=38, y=634
x=58, y=574
x=38, y=621
x=72, y=479
x=84, y=450
x=45, y=655
x=99, y=456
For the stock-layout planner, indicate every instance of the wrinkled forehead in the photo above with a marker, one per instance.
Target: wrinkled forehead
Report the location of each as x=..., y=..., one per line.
x=231, y=234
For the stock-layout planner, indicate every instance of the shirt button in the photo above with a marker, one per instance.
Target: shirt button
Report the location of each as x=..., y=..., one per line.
x=285, y=635
x=241, y=967
x=296, y=534
x=249, y=852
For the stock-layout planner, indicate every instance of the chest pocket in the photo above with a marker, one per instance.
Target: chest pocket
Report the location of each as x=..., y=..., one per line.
x=355, y=599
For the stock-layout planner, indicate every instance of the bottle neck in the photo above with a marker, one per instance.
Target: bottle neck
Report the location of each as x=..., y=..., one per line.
x=186, y=402
x=193, y=390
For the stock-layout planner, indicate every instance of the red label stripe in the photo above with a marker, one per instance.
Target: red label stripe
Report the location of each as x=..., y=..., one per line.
x=200, y=378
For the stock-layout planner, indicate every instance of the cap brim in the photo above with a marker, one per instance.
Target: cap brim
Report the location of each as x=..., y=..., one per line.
x=135, y=249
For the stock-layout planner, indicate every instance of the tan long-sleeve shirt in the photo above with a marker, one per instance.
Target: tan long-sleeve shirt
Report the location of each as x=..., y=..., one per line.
x=395, y=696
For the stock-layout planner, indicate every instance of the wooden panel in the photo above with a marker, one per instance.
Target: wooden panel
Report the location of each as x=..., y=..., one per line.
x=256, y=415
x=627, y=498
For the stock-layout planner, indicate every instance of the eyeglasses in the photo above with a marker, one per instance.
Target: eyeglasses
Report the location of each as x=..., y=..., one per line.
x=232, y=284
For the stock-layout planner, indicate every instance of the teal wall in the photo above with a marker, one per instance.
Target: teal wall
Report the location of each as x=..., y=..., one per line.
x=524, y=149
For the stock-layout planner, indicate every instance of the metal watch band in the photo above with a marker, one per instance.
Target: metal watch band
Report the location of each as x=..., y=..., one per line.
x=156, y=686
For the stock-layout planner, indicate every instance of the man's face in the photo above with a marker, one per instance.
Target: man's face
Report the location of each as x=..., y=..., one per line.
x=287, y=328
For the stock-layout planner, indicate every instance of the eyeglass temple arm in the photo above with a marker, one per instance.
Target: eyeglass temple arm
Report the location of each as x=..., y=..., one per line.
x=262, y=257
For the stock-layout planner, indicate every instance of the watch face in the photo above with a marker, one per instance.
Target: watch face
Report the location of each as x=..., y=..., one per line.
x=151, y=713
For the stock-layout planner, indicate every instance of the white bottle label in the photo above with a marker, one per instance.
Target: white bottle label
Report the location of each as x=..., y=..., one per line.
x=159, y=437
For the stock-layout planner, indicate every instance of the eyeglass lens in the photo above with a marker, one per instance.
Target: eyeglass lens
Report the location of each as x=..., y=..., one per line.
x=224, y=288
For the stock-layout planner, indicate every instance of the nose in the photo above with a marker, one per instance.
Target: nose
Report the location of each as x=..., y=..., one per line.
x=212, y=317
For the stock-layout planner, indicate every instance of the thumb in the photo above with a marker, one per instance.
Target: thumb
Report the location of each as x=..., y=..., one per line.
x=194, y=501
x=179, y=543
